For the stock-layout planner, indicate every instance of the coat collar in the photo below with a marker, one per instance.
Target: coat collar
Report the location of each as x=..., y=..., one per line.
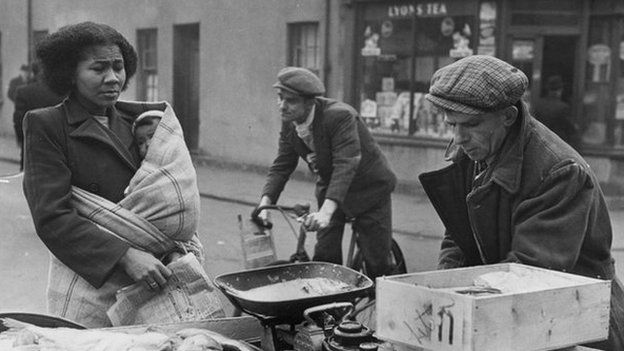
x=507, y=168
x=317, y=128
x=119, y=137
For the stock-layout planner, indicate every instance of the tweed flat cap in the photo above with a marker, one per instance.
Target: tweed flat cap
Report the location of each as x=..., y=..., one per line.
x=477, y=84
x=299, y=81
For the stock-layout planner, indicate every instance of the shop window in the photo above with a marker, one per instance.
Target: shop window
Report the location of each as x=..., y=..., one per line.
x=618, y=130
x=401, y=46
x=147, y=73
x=596, y=104
x=522, y=56
x=304, y=46
x=1, y=80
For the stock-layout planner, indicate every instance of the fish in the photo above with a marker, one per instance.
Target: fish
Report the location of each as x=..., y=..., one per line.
x=21, y=336
x=69, y=339
x=227, y=343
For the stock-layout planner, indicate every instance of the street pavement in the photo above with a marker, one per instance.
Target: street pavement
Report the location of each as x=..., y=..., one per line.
x=414, y=219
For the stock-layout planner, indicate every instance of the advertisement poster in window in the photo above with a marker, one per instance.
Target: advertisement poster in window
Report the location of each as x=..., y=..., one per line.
x=487, y=27
x=461, y=43
x=619, y=110
x=523, y=50
x=371, y=43
x=599, y=59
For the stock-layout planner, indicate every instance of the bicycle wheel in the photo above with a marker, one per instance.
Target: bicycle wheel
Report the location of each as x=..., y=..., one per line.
x=397, y=259
x=365, y=311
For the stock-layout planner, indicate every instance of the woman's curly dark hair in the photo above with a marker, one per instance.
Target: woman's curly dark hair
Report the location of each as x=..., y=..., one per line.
x=60, y=52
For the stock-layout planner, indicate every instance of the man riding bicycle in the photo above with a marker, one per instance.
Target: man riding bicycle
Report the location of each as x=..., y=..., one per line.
x=354, y=179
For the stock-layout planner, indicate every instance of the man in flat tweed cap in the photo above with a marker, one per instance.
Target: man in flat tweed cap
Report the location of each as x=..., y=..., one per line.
x=515, y=192
x=354, y=178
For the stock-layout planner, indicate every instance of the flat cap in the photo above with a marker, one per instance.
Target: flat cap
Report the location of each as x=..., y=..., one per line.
x=300, y=81
x=477, y=84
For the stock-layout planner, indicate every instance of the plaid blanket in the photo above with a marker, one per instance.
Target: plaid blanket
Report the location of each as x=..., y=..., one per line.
x=164, y=189
x=159, y=214
x=161, y=209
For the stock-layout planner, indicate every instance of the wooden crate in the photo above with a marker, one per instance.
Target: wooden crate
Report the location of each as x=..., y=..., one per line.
x=423, y=310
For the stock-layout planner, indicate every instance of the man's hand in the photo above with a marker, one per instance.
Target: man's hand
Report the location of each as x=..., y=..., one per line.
x=320, y=220
x=316, y=221
x=142, y=266
x=264, y=214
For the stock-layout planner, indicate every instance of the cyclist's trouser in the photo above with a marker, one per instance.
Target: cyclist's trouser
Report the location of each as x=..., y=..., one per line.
x=374, y=229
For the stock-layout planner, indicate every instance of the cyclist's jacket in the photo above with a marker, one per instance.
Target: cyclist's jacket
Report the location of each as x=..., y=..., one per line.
x=350, y=166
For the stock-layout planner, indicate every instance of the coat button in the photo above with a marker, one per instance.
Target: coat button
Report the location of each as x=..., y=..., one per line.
x=94, y=188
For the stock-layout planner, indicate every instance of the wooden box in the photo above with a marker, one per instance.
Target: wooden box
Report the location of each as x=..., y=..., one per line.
x=443, y=310
x=257, y=244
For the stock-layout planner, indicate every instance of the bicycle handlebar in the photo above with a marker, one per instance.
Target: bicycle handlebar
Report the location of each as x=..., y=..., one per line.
x=298, y=209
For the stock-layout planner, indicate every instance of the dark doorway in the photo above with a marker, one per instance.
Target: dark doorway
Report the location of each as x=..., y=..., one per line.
x=558, y=58
x=186, y=81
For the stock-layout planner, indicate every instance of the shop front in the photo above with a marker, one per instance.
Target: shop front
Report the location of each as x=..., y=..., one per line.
x=577, y=44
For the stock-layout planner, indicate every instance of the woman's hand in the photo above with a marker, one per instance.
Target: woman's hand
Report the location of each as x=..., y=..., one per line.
x=142, y=266
x=172, y=257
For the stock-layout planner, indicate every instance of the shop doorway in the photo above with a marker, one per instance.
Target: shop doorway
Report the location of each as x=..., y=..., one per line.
x=543, y=56
x=186, y=81
x=559, y=60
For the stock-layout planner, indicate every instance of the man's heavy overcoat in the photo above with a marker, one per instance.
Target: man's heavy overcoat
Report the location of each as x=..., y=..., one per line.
x=539, y=204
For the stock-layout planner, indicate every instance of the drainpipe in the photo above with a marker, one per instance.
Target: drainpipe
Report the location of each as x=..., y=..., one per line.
x=411, y=125
x=29, y=29
x=326, y=64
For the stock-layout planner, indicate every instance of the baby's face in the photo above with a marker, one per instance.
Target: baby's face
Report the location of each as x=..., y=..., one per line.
x=143, y=135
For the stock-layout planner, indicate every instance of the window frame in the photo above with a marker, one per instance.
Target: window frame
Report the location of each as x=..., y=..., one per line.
x=147, y=69
x=299, y=48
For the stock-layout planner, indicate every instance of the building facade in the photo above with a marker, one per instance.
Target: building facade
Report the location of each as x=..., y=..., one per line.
x=215, y=61
x=399, y=44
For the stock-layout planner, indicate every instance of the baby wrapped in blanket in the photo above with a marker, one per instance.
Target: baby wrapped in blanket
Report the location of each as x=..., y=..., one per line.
x=160, y=212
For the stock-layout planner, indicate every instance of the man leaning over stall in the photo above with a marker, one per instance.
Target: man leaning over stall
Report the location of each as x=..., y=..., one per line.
x=514, y=191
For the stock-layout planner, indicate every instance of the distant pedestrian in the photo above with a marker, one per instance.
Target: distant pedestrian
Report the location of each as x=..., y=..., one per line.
x=30, y=96
x=21, y=79
x=354, y=178
x=555, y=114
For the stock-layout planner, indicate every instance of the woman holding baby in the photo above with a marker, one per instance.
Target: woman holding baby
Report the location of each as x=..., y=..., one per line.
x=87, y=143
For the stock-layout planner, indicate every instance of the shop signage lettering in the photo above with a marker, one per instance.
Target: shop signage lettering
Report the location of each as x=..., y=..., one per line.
x=428, y=9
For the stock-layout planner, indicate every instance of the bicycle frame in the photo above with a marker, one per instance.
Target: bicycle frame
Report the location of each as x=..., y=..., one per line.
x=352, y=243
x=353, y=260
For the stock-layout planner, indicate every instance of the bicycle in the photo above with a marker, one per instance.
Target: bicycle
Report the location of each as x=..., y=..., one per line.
x=364, y=307
x=354, y=258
